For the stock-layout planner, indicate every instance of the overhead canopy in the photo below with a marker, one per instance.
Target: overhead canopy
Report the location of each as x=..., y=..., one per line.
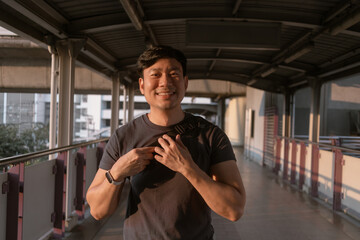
x=267, y=44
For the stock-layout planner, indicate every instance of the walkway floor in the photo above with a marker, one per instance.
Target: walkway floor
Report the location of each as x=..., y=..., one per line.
x=274, y=210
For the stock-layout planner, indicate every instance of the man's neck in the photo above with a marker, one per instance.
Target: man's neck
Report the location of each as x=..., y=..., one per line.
x=166, y=118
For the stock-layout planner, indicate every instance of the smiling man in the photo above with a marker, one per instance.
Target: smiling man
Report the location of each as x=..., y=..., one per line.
x=180, y=167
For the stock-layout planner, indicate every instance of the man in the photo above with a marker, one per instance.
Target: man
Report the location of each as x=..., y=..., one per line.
x=175, y=179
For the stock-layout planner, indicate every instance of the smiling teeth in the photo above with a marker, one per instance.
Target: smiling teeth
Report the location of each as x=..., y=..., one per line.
x=163, y=94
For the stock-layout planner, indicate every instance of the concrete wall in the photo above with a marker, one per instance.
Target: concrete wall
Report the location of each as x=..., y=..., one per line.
x=255, y=100
x=235, y=120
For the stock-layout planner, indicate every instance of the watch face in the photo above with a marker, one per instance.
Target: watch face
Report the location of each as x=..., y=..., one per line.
x=108, y=177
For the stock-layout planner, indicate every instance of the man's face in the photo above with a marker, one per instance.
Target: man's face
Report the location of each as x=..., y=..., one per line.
x=163, y=84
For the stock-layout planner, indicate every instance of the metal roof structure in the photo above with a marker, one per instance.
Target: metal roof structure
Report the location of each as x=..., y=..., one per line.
x=274, y=45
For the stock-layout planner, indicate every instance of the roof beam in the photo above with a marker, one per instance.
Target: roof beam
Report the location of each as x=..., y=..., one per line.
x=28, y=13
x=350, y=20
x=137, y=19
x=236, y=6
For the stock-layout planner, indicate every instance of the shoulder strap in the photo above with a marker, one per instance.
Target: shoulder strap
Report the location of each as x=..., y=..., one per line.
x=190, y=124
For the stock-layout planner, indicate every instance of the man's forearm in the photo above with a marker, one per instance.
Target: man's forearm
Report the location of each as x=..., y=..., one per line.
x=226, y=200
x=103, y=199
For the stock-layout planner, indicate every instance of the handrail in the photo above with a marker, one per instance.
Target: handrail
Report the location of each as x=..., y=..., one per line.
x=320, y=144
x=25, y=157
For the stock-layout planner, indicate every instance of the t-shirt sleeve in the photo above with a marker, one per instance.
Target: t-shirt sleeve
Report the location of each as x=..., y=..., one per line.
x=111, y=153
x=221, y=148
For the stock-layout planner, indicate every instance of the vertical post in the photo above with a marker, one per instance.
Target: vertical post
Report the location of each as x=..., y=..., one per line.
x=15, y=202
x=337, y=195
x=314, y=170
x=124, y=104
x=286, y=158
x=5, y=108
x=314, y=127
x=293, y=162
x=53, y=98
x=68, y=51
x=286, y=131
x=99, y=152
x=115, y=93
x=221, y=113
x=277, y=155
x=131, y=102
x=302, y=164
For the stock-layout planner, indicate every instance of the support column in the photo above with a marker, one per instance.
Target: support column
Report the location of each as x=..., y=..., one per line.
x=125, y=104
x=53, y=95
x=314, y=128
x=68, y=50
x=221, y=113
x=115, y=93
x=131, y=102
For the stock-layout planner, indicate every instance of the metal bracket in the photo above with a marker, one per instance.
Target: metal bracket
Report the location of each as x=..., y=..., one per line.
x=5, y=187
x=54, y=169
x=342, y=162
x=53, y=217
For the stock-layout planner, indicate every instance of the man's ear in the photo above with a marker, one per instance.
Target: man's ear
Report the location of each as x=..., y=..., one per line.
x=141, y=85
x=186, y=82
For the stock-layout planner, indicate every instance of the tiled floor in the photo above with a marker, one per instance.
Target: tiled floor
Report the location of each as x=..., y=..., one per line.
x=274, y=211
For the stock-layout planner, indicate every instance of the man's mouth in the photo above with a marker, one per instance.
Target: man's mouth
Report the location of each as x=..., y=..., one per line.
x=166, y=92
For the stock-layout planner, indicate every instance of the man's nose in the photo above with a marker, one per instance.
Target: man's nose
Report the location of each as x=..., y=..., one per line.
x=165, y=80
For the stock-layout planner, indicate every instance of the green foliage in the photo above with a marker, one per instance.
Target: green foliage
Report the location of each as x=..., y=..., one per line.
x=30, y=140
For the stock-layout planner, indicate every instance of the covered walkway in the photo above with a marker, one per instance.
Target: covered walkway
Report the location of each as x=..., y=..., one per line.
x=274, y=210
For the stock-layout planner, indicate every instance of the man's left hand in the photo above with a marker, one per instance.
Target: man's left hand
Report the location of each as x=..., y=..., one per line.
x=173, y=154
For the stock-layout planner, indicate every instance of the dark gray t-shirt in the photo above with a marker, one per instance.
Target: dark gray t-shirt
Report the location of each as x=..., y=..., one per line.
x=162, y=204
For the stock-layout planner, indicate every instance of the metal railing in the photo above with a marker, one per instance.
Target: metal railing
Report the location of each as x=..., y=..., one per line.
x=40, y=198
x=320, y=168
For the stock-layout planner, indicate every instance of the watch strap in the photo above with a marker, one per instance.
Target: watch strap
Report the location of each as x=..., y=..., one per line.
x=111, y=179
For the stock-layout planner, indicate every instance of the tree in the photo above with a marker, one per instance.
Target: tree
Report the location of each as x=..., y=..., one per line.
x=30, y=140
x=10, y=143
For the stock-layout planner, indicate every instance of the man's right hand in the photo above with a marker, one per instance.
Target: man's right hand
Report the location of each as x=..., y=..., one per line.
x=132, y=162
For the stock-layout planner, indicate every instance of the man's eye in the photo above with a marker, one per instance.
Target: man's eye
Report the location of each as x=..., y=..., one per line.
x=174, y=74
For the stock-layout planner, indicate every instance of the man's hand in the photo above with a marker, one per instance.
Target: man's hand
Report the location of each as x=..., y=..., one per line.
x=174, y=154
x=132, y=162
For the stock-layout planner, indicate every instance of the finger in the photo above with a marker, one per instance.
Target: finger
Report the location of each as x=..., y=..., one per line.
x=163, y=143
x=146, y=149
x=169, y=139
x=178, y=141
x=159, y=150
x=158, y=158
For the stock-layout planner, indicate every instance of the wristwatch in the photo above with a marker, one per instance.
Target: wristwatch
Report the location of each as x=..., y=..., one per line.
x=110, y=178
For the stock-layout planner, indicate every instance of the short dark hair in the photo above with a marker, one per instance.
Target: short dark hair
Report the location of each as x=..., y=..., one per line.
x=151, y=55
